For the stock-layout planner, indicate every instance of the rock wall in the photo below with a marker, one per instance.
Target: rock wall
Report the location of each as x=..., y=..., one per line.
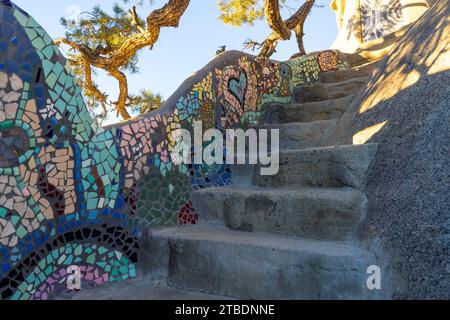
x=406, y=109
x=361, y=21
x=72, y=193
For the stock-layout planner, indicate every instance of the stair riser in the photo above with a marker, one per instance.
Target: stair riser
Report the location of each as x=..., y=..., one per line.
x=315, y=93
x=324, y=110
x=250, y=272
x=330, y=218
x=342, y=166
x=345, y=75
x=305, y=135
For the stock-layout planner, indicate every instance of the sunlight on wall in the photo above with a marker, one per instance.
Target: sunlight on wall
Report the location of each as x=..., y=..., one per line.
x=399, y=81
x=439, y=60
x=364, y=135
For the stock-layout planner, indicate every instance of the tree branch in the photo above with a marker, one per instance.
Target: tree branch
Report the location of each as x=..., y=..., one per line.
x=135, y=20
x=91, y=88
x=273, y=17
x=300, y=15
x=303, y=14
x=297, y=20
x=123, y=96
x=167, y=16
x=75, y=46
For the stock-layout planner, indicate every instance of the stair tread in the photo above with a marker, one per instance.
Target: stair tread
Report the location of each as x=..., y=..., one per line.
x=300, y=135
x=311, y=192
x=213, y=233
x=362, y=79
x=326, y=91
x=365, y=70
x=308, y=111
x=322, y=166
x=139, y=288
x=322, y=102
x=330, y=122
x=328, y=148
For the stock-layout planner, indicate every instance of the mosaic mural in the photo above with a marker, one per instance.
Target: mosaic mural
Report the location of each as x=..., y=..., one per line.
x=72, y=193
x=380, y=17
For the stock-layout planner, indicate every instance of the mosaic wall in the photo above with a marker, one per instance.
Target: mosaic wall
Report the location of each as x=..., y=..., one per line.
x=72, y=193
x=380, y=18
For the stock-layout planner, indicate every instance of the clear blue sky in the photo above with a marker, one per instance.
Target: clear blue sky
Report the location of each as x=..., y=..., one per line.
x=180, y=52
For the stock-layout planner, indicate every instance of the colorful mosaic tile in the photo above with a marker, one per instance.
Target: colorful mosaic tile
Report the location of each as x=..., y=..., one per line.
x=72, y=193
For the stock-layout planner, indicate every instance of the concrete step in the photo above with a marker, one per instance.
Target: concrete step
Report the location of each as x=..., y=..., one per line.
x=336, y=166
x=261, y=266
x=140, y=288
x=326, y=91
x=299, y=135
x=316, y=213
x=307, y=112
x=365, y=70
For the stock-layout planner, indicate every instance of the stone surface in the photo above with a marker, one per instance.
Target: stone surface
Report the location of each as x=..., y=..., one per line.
x=299, y=135
x=317, y=213
x=228, y=254
x=141, y=288
x=306, y=112
x=328, y=91
x=406, y=109
x=336, y=166
x=263, y=266
x=343, y=75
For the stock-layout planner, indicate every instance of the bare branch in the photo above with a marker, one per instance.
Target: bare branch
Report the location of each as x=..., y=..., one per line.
x=250, y=44
x=135, y=20
x=269, y=45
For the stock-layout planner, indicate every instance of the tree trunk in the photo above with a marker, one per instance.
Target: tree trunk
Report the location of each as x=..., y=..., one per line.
x=123, y=95
x=299, y=29
x=296, y=21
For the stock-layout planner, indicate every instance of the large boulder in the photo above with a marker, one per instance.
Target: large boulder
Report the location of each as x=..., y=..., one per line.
x=406, y=109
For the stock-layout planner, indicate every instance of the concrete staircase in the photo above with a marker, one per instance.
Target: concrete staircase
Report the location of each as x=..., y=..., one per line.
x=289, y=236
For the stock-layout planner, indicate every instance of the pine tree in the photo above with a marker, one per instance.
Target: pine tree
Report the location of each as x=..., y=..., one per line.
x=111, y=42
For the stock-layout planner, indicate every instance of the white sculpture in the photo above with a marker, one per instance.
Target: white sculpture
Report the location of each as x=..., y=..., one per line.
x=361, y=21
